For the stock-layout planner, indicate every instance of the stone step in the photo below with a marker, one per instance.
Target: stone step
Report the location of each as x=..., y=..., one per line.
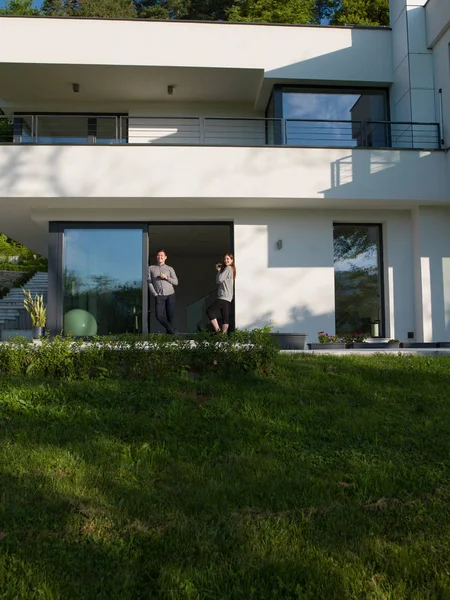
x=33, y=292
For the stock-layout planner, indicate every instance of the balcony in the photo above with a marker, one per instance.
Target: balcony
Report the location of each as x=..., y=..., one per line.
x=75, y=129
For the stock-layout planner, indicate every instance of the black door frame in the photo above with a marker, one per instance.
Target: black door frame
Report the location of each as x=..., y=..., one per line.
x=56, y=261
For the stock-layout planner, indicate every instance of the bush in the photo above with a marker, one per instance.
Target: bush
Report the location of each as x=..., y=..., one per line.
x=130, y=356
x=30, y=266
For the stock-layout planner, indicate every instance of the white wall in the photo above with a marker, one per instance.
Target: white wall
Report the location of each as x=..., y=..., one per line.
x=432, y=273
x=289, y=52
x=292, y=289
x=265, y=176
x=412, y=93
x=438, y=20
x=441, y=66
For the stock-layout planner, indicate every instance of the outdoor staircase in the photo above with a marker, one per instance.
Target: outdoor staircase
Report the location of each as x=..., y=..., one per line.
x=14, y=319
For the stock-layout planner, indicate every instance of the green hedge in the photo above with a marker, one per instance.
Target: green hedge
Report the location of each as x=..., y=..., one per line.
x=132, y=357
x=30, y=266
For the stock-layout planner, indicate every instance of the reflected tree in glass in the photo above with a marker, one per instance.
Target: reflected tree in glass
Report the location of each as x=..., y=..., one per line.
x=357, y=277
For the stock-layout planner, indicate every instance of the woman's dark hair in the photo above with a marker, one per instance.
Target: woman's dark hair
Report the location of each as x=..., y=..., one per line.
x=233, y=266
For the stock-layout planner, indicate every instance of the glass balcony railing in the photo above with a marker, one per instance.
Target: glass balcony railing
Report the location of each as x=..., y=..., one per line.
x=216, y=131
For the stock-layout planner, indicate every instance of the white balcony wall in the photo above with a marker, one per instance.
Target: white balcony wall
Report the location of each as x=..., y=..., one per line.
x=267, y=176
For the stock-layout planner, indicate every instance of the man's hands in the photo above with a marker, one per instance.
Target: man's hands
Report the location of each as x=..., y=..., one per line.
x=163, y=276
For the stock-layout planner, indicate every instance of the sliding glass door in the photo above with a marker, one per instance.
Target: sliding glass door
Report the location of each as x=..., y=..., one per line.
x=102, y=280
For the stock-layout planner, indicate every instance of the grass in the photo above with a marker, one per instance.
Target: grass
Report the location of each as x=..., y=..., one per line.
x=328, y=480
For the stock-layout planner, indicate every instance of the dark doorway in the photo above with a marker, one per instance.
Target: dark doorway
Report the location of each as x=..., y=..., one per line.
x=192, y=250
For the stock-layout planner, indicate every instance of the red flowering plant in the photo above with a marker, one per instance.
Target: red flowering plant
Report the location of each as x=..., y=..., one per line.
x=326, y=338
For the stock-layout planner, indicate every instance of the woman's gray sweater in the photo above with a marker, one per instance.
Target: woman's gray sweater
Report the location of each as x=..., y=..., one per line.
x=225, y=280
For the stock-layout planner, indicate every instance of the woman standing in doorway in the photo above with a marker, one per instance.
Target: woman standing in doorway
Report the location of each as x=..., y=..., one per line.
x=226, y=274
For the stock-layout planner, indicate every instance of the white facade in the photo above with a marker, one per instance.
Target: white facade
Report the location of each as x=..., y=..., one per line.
x=208, y=152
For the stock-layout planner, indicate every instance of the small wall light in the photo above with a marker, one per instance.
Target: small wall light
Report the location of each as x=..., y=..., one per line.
x=170, y=89
x=76, y=87
x=279, y=244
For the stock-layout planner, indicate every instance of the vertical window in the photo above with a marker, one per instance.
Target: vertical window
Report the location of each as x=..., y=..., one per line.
x=358, y=280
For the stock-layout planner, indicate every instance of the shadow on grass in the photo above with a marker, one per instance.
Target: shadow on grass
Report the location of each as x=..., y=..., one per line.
x=321, y=482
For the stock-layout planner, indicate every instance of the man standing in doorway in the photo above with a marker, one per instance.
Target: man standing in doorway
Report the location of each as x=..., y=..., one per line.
x=161, y=282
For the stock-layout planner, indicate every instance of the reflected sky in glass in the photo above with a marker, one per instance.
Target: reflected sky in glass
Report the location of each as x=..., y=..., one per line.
x=318, y=106
x=104, y=252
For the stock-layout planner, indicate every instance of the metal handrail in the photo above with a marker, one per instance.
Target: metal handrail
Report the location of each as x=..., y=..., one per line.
x=230, y=130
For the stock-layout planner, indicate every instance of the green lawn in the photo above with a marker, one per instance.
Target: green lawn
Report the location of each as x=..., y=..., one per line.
x=327, y=480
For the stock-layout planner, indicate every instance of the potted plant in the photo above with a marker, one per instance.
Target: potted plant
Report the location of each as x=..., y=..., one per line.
x=327, y=342
x=393, y=343
x=36, y=309
x=357, y=339
x=291, y=341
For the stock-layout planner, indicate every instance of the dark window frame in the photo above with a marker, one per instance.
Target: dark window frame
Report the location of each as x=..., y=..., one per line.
x=382, y=286
x=280, y=89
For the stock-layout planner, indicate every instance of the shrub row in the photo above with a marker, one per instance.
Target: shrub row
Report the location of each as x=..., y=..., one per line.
x=132, y=357
x=32, y=266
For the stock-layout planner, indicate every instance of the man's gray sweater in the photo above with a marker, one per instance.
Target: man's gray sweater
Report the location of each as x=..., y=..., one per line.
x=158, y=286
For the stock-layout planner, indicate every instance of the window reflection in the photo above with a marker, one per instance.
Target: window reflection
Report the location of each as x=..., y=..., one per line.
x=357, y=277
x=327, y=118
x=103, y=277
x=68, y=129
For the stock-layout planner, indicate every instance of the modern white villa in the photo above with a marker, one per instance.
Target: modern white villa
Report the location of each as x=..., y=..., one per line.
x=318, y=156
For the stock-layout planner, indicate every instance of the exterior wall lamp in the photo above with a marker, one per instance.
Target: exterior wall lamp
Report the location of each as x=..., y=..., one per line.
x=76, y=87
x=279, y=244
x=170, y=89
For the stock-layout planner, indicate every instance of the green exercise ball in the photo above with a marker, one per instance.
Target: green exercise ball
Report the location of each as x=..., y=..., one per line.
x=80, y=323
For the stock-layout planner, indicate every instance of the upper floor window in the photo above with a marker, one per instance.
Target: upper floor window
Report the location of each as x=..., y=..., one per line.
x=334, y=116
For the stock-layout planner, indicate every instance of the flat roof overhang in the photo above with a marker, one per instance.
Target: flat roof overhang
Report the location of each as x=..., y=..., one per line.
x=31, y=85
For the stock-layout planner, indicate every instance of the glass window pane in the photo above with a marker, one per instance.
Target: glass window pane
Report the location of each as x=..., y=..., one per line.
x=61, y=129
x=323, y=118
x=102, y=280
x=107, y=129
x=357, y=278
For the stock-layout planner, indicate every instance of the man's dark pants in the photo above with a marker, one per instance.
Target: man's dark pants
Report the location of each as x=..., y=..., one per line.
x=165, y=311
